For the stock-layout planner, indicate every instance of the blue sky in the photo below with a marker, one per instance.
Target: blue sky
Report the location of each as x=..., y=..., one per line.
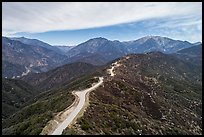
x=75, y=23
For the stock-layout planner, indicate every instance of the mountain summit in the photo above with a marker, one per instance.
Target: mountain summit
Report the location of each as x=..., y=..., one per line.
x=156, y=43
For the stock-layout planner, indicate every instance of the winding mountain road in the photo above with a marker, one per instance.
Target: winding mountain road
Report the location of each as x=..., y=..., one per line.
x=81, y=95
x=67, y=117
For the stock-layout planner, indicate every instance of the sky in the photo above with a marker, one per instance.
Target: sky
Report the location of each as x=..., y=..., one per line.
x=71, y=23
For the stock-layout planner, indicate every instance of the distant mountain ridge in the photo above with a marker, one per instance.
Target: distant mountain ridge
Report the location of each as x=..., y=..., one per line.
x=36, y=42
x=32, y=55
x=191, y=54
x=111, y=50
x=195, y=50
x=105, y=49
x=102, y=45
x=64, y=49
x=157, y=43
x=197, y=43
x=20, y=59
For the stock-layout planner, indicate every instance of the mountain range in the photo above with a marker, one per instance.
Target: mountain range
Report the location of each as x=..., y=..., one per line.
x=19, y=58
x=110, y=50
x=35, y=56
x=36, y=42
x=156, y=88
x=151, y=93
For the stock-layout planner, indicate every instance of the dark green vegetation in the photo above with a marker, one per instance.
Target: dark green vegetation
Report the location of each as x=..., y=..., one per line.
x=151, y=93
x=32, y=119
x=15, y=94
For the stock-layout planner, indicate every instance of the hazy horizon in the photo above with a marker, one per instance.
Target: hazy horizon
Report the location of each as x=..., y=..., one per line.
x=98, y=37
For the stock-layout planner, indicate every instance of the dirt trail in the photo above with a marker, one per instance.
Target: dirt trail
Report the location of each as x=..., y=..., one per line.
x=110, y=71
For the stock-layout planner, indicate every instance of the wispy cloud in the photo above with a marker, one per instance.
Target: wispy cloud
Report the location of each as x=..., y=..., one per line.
x=36, y=17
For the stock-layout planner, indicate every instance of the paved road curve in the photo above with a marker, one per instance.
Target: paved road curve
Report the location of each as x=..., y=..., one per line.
x=82, y=98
